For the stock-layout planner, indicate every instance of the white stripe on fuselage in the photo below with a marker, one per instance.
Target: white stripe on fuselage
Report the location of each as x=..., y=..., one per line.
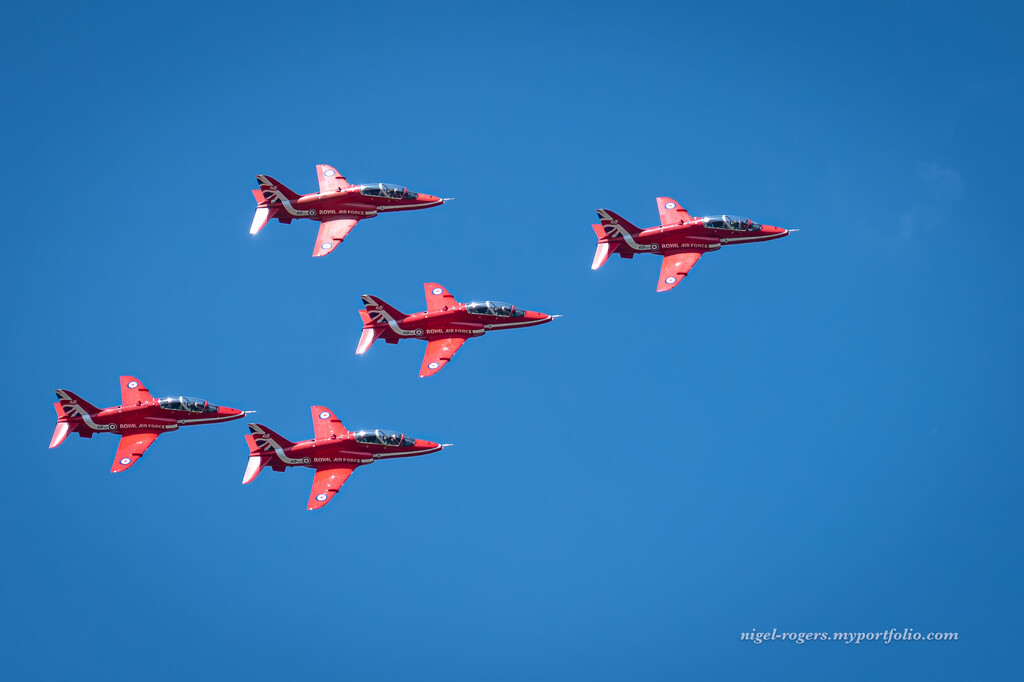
x=394, y=208
x=392, y=322
x=264, y=439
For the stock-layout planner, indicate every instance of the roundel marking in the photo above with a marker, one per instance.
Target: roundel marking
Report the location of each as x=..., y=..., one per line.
x=321, y=497
x=437, y=291
x=126, y=460
x=419, y=332
x=325, y=246
x=670, y=204
x=325, y=415
x=310, y=212
x=132, y=384
x=328, y=173
x=670, y=280
x=433, y=365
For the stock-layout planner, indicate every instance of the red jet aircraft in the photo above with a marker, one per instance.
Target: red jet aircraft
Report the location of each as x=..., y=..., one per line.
x=338, y=205
x=680, y=239
x=138, y=420
x=334, y=452
x=445, y=325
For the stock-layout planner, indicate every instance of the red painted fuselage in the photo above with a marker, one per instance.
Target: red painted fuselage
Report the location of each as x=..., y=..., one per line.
x=334, y=452
x=445, y=325
x=338, y=206
x=139, y=420
x=680, y=239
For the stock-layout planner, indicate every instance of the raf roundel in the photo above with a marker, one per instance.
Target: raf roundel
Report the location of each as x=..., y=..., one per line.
x=321, y=497
x=126, y=460
x=325, y=245
x=133, y=384
x=670, y=280
x=325, y=415
x=328, y=173
x=433, y=365
x=437, y=291
x=670, y=205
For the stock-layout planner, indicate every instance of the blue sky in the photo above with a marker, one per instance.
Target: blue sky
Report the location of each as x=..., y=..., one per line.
x=820, y=433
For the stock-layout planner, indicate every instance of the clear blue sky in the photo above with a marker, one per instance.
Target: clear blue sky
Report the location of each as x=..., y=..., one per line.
x=820, y=433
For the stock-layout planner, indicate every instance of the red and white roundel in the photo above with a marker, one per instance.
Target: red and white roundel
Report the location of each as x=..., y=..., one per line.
x=328, y=173
x=670, y=205
x=133, y=384
x=321, y=497
x=126, y=460
x=325, y=415
x=437, y=291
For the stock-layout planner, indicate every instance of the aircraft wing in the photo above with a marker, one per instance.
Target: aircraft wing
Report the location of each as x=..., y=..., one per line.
x=439, y=352
x=330, y=180
x=332, y=233
x=438, y=297
x=326, y=482
x=325, y=424
x=131, y=448
x=676, y=266
x=133, y=392
x=671, y=212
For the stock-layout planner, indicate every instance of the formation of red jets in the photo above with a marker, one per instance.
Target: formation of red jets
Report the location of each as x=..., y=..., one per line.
x=334, y=452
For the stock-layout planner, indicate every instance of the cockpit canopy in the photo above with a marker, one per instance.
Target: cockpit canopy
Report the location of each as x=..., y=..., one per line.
x=186, y=404
x=383, y=189
x=731, y=222
x=383, y=437
x=495, y=308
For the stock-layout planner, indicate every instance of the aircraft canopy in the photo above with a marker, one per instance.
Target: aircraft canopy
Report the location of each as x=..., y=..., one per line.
x=383, y=189
x=495, y=308
x=731, y=222
x=187, y=404
x=383, y=437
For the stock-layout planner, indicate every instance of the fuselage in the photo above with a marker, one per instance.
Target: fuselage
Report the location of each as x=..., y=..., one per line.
x=151, y=416
x=463, y=320
x=353, y=202
x=359, y=448
x=699, y=233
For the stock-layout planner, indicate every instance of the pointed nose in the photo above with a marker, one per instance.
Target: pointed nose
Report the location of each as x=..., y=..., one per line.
x=428, y=445
x=230, y=412
x=429, y=199
x=771, y=229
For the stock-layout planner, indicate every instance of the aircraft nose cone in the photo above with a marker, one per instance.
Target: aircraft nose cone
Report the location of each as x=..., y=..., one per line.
x=427, y=445
x=428, y=198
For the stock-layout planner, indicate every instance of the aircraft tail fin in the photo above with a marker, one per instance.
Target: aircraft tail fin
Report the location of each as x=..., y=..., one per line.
x=70, y=409
x=615, y=226
x=257, y=457
x=265, y=447
x=272, y=191
x=380, y=311
x=377, y=320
